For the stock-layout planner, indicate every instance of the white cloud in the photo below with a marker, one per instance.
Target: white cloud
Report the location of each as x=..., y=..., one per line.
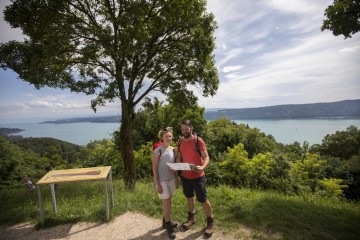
x=54, y=106
x=229, y=55
x=294, y=63
x=232, y=68
x=295, y=7
x=349, y=49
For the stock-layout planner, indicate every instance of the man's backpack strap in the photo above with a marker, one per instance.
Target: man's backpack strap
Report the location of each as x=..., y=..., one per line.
x=197, y=144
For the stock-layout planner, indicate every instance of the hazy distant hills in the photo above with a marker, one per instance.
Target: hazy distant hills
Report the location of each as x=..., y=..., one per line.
x=104, y=119
x=341, y=109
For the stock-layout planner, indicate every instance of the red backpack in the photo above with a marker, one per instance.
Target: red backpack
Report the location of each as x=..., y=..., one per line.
x=155, y=145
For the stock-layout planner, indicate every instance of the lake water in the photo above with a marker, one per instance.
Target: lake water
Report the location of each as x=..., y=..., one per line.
x=284, y=131
x=77, y=133
x=310, y=130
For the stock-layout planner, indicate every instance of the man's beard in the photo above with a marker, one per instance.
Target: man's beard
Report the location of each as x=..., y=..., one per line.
x=187, y=135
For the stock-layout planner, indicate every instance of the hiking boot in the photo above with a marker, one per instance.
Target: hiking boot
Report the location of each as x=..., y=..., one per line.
x=190, y=221
x=174, y=224
x=170, y=230
x=210, y=226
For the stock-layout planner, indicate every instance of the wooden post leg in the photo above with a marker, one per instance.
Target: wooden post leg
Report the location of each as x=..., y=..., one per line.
x=53, y=197
x=106, y=201
x=41, y=204
x=111, y=188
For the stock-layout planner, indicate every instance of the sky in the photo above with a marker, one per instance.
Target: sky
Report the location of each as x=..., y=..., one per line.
x=268, y=52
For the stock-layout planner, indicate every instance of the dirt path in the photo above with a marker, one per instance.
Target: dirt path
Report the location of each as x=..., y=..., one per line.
x=134, y=226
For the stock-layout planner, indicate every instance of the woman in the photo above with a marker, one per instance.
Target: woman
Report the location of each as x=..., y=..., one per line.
x=165, y=178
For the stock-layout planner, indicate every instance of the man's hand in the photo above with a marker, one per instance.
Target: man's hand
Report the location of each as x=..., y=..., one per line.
x=195, y=168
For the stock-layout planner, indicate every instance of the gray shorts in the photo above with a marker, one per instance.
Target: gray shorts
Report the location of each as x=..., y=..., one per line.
x=168, y=189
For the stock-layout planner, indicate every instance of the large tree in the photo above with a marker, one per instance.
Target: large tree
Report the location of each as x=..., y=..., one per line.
x=114, y=49
x=343, y=18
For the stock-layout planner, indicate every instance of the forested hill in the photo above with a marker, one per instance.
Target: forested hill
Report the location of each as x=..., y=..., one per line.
x=341, y=109
x=103, y=119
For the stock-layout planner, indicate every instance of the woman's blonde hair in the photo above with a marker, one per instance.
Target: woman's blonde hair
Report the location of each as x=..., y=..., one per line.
x=163, y=131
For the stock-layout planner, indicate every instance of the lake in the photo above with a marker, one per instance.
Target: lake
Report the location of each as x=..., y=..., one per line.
x=291, y=130
x=284, y=131
x=77, y=133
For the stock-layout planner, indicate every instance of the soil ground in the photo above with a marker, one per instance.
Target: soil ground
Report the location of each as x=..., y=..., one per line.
x=134, y=226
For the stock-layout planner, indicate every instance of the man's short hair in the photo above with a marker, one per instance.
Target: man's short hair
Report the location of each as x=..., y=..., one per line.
x=186, y=122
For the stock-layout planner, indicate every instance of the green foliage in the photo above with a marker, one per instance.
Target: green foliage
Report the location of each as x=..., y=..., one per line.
x=270, y=171
x=17, y=163
x=337, y=168
x=101, y=153
x=9, y=157
x=332, y=187
x=51, y=148
x=354, y=183
x=307, y=173
x=342, y=18
x=233, y=167
x=257, y=142
x=143, y=161
x=223, y=133
x=342, y=153
x=154, y=116
x=214, y=174
x=342, y=144
x=259, y=170
x=295, y=151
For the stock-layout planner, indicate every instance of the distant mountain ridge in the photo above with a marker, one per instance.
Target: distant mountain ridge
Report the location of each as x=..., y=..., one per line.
x=340, y=109
x=103, y=119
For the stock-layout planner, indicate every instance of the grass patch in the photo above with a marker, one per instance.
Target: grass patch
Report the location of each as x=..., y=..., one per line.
x=250, y=214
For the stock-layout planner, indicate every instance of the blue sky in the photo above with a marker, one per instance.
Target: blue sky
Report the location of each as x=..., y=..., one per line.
x=269, y=52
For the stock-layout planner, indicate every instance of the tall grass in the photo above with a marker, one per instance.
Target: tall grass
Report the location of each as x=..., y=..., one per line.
x=246, y=213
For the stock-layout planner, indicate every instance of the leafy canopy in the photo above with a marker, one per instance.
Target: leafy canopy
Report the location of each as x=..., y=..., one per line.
x=114, y=49
x=343, y=18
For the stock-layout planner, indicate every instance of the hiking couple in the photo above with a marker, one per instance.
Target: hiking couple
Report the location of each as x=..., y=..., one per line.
x=194, y=181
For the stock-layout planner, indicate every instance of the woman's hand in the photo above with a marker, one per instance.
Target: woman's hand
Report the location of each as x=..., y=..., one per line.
x=159, y=188
x=177, y=182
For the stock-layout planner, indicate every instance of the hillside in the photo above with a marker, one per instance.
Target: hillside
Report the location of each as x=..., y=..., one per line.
x=103, y=119
x=341, y=109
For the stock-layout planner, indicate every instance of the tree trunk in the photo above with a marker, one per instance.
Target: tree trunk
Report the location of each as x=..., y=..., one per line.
x=127, y=149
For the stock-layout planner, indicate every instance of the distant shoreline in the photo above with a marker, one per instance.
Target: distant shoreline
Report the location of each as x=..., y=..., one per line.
x=9, y=131
x=115, y=119
x=347, y=109
x=103, y=119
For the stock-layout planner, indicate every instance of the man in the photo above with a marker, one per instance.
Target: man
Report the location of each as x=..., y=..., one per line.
x=194, y=181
